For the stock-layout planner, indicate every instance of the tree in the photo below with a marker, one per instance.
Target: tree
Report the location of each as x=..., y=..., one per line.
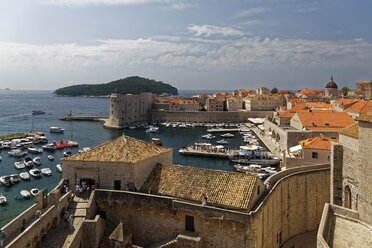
x=274, y=90
x=345, y=90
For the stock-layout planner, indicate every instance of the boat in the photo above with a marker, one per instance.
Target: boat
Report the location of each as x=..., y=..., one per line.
x=17, y=153
x=36, y=160
x=156, y=141
x=73, y=143
x=35, y=173
x=25, y=176
x=19, y=165
x=14, y=178
x=56, y=130
x=254, y=155
x=37, y=112
x=227, y=135
x=28, y=163
x=59, y=167
x=34, y=191
x=49, y=147
x=208, y=136
x=6, y=181
x=67, y=154
x=223, y=141
x=50, y=157
x=152, y=129
x=2, y=199
x=1, y=158
x=35, y=150
x=46, y=171
x=25, y=193
x=167, y=125
x=132, y=127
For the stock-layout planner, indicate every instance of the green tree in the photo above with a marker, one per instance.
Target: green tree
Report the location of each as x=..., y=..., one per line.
x=202, y=108
x=345, y=90
x=274, y=90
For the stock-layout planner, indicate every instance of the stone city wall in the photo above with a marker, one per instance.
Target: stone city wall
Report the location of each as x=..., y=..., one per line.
x=207, y=117
x=293, y=206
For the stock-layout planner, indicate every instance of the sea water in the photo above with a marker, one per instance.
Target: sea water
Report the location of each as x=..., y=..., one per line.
x=15, y=116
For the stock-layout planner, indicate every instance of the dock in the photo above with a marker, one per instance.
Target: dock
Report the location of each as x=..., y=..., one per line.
x=227, y=130
x=84, y=118
x=195, y=152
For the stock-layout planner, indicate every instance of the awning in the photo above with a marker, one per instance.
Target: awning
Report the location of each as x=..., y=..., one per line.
x=295, y=148
x=220, y=147
x=257, y=120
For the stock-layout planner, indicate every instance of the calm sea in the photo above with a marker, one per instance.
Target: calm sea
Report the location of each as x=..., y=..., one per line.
x=15, y=116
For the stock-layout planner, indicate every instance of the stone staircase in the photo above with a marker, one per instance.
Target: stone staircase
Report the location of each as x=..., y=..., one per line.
x=168, y=243
x=180, y=240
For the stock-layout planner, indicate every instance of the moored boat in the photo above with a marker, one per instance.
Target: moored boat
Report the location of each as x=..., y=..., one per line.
x=36, y=160
x=35, y=150
x=17, y=153
x=2, y=199
x=227, y=135
x=25, y=193
x=19, y=165
x=49, y=147
x=14, y=178
x=6, y=181
x=46, y=171
x=35, y=173
x=56, y=130
x=25, y=176
x=254, y=155
x=223, y=141
x=152, y=129
x=59, y=167
x=34, y=191
x=28, y=163
x=67, y=154
x=37, y=112
x=50, y=157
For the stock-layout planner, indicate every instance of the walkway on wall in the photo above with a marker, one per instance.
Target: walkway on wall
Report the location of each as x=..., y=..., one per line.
x=61, y=235
x=267, y=141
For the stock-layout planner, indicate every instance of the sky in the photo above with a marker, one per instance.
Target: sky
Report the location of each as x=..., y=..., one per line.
x=190, y=44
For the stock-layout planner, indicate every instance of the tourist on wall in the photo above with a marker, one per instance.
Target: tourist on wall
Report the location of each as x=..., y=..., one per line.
x=2, y=237
x=23, y=225
x=71, y=221
x=65, y=218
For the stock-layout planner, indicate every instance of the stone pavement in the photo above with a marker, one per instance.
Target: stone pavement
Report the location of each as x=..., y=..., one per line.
x=61, y=235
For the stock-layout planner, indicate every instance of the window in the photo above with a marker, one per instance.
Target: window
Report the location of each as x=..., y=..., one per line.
x=315, y=155
x=189, y=223
x=329, y=157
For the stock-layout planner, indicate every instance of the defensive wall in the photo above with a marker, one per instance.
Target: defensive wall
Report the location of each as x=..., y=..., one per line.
x=293, y=205
x=207, y=116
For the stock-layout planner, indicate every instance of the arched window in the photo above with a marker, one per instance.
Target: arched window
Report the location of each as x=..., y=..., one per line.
x=347, y=202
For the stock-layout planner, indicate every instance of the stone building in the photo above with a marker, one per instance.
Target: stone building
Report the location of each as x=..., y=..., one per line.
x=214, y=104
x=366, y=87
x=231, y=104
x=331, y=89
x=263, y=103
x=116, y=163
x=127, y=110
x=347, y=220
x=262, y=91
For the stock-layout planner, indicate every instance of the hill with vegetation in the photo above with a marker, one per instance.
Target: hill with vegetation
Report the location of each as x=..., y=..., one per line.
x=129, y=85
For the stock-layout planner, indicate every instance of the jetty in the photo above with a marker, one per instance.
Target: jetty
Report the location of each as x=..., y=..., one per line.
x=226, y=130
x=207, y=153
x=84, y=118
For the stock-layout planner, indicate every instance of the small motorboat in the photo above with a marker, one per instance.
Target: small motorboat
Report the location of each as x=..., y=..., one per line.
x=50, y=157
x=25, y=193
x=34, y=191
x=56, y=130
x=19, y=165
x=227, y=135
x=152, y=129
x=35, y=150
x=49, y=147
x=46, y=171
x=132, y=127
x=25, y=176
x=59, y=167
x=223, y=141
x=6, y=181
x=35, y=173
x=36, y=160
x=67, y=154
x=17, y=153
x=14, y=178
x=2, y=199
x=28, y=163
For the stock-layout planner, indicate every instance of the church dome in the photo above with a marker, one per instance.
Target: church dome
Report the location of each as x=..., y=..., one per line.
x=331, y=84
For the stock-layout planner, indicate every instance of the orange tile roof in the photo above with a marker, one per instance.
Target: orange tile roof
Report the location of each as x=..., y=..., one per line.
x=318, y=143
x=324, y=120
x=366, y=118
x=286, y=114
x=359, y=92
x=363, y=82
x=361, y=107
x=344, y=102
x=227, y=189
x=310, y=92
x=319, y=105
x=296, y=100
x=352, y=130
x=299, y=107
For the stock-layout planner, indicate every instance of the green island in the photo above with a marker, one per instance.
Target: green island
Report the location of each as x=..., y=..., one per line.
x=129, y=85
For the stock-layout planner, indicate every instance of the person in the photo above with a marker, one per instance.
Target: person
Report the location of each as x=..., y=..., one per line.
x=37, y=214
x=163, y=191
x=2, y=237
x=127, y=187
x=204, y=199
x=65, y=218
x=77, y=189
x=88, y=191
x=71, y=221
x=23, y=225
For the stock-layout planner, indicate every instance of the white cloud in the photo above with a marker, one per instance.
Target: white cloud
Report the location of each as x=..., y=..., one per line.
x=209, y=30
x=251, y=12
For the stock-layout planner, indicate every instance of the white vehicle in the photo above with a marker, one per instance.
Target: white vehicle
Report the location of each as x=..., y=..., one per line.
x=2, y=199
x=36, y=160
x=19, y=165
x=25, y=193
x=34, y=191
x=59, y=167
x=46, y=171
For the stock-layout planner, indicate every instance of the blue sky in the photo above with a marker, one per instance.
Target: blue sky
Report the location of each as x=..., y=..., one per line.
x=194, y=44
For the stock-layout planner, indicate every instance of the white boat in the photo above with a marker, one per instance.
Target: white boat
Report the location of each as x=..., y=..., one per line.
x=227, y=135
x=208, y=136
x=50, y=157
x=152, y=129
x=14, y=178
x=56, y=130
x=17, y=153
x=168, y=125
x=49, y=147
x=72, y=143
x=36, y=160
x=35, y=172
x=28, y=162
x=67, y=154
x=59, y=167
x=34, y=191
x=35, y=150
x=183, y=125
x=132, y=127
x=25, y=176
x=254, y=155
x=222, y=141
x=19, y=165
x=2, y=199
x=46, y=171
x=1, y=158
x=25, y=193
x=6, y=181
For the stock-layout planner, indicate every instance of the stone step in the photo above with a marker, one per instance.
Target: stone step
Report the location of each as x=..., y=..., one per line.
x=78, y=205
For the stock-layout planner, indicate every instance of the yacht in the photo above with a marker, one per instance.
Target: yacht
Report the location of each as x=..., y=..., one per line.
x=208, y=136
x=56, y=130
x=19, y=165
x=46, y=171
x=59, y=167
x=152, y=129
x=25, y=176
x=227, y=135
x=222, y=141
x=17, y=153
x=35, y=150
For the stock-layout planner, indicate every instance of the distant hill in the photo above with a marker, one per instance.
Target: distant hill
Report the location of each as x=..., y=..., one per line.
x=129, y=85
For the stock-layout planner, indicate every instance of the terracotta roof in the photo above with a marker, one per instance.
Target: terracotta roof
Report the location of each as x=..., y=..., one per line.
x=352, y=130
x=365, y=118
x=362, y=107
x=299, y=107
x=228, y=189
x=344, y=102
x=364, y=82
x=309, y=92
x=318, y=105
x=318, y=143
x=296, y=100
x=325, y=120
x=286, y=114
x=120, y=150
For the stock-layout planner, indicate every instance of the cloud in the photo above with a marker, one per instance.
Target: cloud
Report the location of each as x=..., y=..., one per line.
x=251, y=12
x=174, y=4
x=209, y=30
